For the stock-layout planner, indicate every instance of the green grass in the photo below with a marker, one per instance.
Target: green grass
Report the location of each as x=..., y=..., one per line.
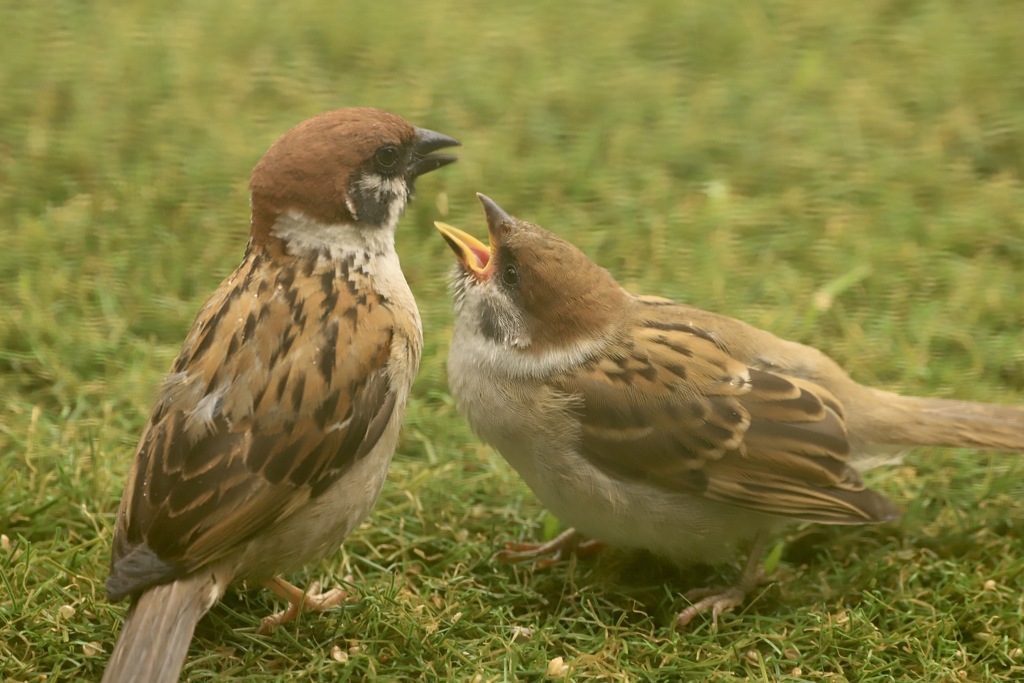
x=846, y=173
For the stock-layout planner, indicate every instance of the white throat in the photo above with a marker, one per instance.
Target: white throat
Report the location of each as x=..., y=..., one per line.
x=305, y=237
x=471, y=349
x=371, y=251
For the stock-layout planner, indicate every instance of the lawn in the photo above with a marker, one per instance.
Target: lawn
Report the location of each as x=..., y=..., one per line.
x=847, y=174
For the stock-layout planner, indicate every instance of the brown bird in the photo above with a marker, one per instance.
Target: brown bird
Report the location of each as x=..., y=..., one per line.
x=650, y=424
x=271, y=437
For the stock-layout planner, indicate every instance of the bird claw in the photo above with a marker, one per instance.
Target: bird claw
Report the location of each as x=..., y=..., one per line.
x=299, y=601
x=558, y=549
x=718, y=600
x=724, y=598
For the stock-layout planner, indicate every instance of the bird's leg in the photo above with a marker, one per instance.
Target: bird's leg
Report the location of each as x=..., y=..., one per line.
x=299, y=601
x=723, y=598
x=567, y=543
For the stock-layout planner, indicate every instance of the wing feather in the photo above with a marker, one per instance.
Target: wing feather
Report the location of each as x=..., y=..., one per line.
x=274, y=397
x=671, y=407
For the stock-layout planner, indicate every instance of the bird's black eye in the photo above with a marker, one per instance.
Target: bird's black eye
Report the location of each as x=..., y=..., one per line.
x=387, y=158
x=510, y=276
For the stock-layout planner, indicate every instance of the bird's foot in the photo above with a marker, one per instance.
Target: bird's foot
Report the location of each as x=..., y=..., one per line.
x=567, y=543
x=718, y=600
x=724, y=598
x=299, y=601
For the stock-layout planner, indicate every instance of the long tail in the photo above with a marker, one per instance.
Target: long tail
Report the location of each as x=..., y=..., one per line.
x=909, y=420
x=155, y=638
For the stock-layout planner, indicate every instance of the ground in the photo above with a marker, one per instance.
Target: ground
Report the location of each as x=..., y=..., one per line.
x=846, y=174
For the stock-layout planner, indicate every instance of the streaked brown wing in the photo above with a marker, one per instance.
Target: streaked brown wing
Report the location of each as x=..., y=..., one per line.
x=670, y=407
x=268, y=405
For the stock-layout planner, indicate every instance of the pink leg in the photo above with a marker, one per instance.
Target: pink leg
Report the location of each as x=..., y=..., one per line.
x=557, y=549
x=299, y=601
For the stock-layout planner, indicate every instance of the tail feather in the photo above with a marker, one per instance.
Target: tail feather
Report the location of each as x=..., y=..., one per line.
x=909, y=420
x=156, y=634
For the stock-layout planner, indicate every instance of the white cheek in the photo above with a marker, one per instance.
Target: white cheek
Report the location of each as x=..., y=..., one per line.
x=510, y=355
x=380, y=185
x=396, y=208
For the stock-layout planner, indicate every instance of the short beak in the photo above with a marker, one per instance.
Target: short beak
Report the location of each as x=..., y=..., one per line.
x=474, y=255
x=423, y=161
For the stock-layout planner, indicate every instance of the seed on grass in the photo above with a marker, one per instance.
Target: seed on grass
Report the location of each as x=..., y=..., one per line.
x=5, y=543
x=91, y=649
x=339, y=655
x=557, y=668
x=991, y=585
x=66, y=611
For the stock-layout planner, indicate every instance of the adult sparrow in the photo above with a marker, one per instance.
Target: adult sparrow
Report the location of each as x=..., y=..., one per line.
x=271, y=437
x=650, y=424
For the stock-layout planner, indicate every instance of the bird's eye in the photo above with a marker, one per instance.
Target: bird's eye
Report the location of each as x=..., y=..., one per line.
x=510, y=276
x=386, y=158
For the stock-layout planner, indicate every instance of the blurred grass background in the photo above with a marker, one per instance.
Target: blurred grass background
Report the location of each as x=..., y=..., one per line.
x=846, y=174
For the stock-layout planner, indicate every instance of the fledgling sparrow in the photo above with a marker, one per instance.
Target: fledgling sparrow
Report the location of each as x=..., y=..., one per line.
x=271, y=437
x=650, y=424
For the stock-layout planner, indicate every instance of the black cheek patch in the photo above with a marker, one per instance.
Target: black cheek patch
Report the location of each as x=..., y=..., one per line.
x=490, y=327
x=371, y=206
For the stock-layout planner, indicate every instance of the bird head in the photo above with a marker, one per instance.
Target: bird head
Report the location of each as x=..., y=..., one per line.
x=354, y=167
x=528, y=289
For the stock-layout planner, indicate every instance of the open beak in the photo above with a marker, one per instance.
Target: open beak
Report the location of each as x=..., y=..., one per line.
x=475, y=256
x=423, y=161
